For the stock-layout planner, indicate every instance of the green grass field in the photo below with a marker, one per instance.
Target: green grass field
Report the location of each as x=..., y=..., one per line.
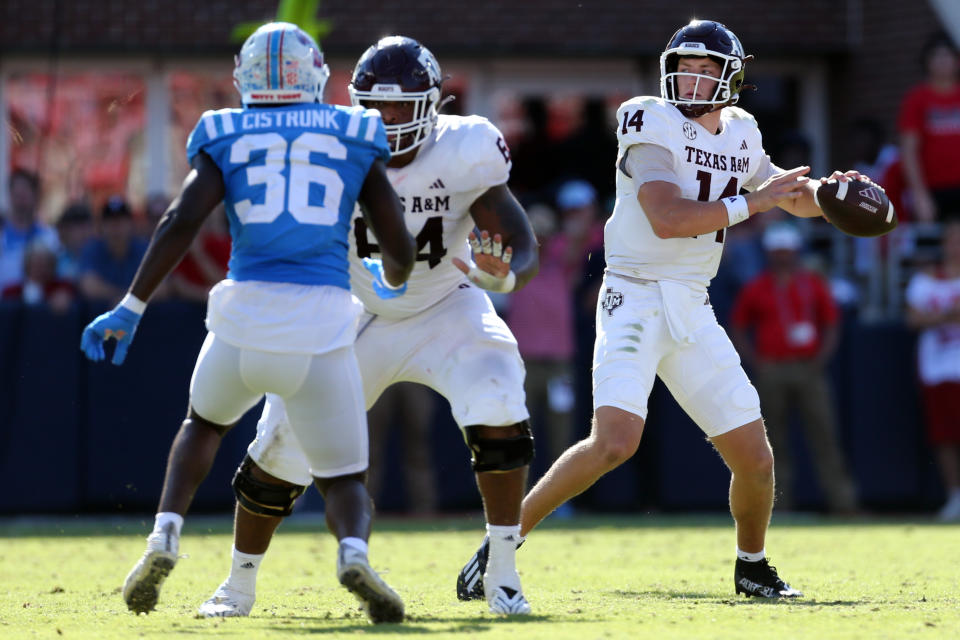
x=636, y=577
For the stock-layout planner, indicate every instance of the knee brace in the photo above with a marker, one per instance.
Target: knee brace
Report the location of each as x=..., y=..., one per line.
x=263, y=498
x=500, y=454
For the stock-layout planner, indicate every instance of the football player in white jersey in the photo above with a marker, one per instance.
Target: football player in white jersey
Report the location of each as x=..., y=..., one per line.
x=450, y=173
x=683, y=159
x=290, y=171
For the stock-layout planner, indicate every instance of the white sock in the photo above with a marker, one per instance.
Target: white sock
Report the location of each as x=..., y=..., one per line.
x=164, y=518
x=243, y=573
x=357, y=543
x=501, y=563
x=751, y=557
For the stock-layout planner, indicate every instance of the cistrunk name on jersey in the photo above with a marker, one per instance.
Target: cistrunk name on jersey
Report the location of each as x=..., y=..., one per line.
x=306, y=118
x=419, y=204
x=711, y=160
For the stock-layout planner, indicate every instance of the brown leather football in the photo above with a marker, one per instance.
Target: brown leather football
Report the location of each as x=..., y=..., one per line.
x=856, y=207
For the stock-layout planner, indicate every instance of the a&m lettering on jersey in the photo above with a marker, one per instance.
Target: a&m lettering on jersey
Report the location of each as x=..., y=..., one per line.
x=710, y=160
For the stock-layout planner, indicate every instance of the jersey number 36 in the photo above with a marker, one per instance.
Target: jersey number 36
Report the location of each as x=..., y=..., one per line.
x=302, y=174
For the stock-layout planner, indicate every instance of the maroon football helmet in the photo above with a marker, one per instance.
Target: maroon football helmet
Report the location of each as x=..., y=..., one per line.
x=400, y=69
x=703, y=38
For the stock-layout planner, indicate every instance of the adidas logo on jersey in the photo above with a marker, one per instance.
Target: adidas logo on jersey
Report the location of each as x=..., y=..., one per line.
x=438, y=184
x=743, y=146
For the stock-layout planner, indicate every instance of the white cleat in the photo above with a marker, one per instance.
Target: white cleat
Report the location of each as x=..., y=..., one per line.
x=508, y=601
x=141, y=589
x=381, y=603
x=227, y=603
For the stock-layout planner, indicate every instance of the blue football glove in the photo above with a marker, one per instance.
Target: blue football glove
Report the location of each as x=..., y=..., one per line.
x=119, y=323
x=380, y=286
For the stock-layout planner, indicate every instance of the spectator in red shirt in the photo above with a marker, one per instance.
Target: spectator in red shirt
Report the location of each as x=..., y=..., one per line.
x=929, y=124
x=793, y=319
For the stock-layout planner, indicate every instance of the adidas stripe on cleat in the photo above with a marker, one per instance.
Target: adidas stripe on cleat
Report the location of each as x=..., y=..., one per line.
x=508, y=601
x=760, y=579
x=227, y=603
x=470, y=580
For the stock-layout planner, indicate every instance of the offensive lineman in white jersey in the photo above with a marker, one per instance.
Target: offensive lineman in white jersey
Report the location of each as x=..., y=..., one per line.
x=450, y=173
x=683, y=159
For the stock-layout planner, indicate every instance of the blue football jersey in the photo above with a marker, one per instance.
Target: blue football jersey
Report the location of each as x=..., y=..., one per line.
x=292, y=176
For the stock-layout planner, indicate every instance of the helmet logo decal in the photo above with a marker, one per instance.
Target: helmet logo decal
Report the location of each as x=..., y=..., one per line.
x=430, y=64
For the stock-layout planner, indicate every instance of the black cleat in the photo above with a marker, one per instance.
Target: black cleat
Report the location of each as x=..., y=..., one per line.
x=760, y=579
x=470, y=580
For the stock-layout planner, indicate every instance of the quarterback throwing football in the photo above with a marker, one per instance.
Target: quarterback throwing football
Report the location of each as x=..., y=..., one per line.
x=683, y=159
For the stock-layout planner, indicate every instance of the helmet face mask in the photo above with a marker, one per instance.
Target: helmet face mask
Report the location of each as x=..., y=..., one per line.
x=280, y=64
x=703, y=38
x=400, y=70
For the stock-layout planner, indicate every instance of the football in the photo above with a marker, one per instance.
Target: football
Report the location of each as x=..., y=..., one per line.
x=856, y=207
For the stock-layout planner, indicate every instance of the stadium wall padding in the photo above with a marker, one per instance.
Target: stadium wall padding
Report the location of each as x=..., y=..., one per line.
x=82, y=437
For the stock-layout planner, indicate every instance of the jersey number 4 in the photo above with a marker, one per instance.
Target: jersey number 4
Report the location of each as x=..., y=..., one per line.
x=635, y=121
x=430, y=236
x=704, y=178
x=297, y=187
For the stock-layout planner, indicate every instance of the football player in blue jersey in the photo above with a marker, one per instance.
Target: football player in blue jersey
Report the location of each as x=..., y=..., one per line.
x=290, y=171
x=451, y=173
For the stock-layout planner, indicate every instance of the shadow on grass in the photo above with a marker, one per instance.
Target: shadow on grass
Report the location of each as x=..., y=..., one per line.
x=734, y=601
x=412, y=625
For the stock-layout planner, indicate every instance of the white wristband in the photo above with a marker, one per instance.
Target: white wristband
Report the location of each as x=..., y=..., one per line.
x=737, y=209
x=133, y=303
x=387, y=284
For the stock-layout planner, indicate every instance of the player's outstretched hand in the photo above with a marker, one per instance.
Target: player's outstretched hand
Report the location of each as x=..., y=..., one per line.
x=491, y=268
x=381, y=287
x=119, y=323
x=779, y=189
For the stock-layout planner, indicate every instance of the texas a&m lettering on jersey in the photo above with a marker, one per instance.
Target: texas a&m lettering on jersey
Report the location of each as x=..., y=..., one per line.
x=713, y=160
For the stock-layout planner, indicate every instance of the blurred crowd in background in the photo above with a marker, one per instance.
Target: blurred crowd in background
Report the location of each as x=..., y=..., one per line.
x=784, y=290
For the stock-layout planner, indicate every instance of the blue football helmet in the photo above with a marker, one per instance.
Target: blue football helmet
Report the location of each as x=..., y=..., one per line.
x=280, y=63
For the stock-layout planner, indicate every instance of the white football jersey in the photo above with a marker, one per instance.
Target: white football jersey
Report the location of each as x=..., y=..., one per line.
x=463, y=157
x=707, y=167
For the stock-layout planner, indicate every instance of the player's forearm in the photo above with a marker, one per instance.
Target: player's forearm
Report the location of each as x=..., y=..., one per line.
x=805, y=206
x=398, y=264
x=683, y=218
